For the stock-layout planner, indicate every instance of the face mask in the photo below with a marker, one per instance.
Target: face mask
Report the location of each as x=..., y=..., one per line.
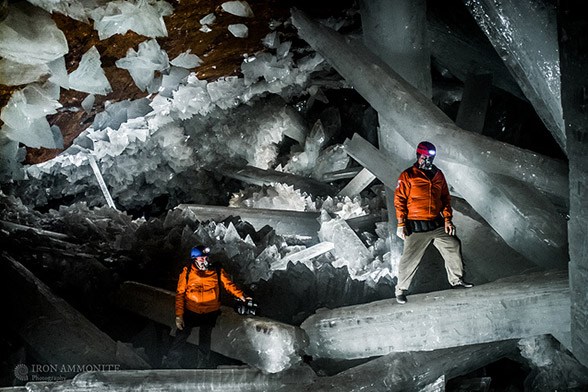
x=426, y=163
x=201, y=263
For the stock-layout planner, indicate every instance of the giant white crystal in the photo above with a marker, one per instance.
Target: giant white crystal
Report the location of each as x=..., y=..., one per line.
x=28, y=35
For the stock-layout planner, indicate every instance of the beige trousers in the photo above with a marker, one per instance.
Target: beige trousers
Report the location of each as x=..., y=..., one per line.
x=414, y=249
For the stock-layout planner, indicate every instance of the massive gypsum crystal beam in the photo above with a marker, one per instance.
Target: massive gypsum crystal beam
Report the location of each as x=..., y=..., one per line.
x=522, y=236
x=257, y=176
x=266, y=344
x=574, y=57
x=410, y=372
x=525, y=36
x=284, y=222
x=56, y=332
x=462, y=48
x=513, y=307
x=417, y=118
x=177, y=380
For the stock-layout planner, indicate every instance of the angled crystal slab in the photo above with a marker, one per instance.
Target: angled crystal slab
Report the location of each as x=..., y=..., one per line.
x=45, y=233
x=257, y=176
x=282, y=221
x=525, y=219
x=525, y=36
x=343, y=174
x=514, y=307
x=397, y=32
x=232, y=379
x=462, y=48
x=361, y=181
x=574, y=57
x=348, y=247
x=58, y=333
x=268, y=345
x=417, y=118
x=304, y=256
x=385, y=169
x=474, y=103
x=414, y=371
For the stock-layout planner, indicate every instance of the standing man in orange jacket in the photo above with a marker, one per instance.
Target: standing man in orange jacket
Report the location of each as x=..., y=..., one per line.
x=424, y=214
x=198, y=301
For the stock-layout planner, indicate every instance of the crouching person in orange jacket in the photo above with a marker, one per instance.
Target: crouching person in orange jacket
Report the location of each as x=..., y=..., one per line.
x=198, y=302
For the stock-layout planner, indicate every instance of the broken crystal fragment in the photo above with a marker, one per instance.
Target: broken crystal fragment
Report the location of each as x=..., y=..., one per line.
x=208, y=19
x=88, y=103
x=186, y=60
x=239, y=8
x=89, y=77
x=239, y=30
x=304, y=256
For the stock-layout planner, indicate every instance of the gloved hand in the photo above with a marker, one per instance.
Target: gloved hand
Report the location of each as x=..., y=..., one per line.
x=401, y=232
x=180, y=323
x=449, y=228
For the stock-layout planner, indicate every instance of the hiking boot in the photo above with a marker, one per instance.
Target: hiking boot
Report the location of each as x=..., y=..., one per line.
x=462, y=285
x=401, y=298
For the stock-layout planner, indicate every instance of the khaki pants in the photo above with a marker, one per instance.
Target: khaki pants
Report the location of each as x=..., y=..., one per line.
x=414, y=249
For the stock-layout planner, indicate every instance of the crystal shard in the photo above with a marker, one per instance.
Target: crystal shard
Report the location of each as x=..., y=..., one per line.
x=89, y=77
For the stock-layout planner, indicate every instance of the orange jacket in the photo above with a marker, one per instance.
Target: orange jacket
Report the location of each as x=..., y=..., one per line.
x=418, y=198
x=202, y=293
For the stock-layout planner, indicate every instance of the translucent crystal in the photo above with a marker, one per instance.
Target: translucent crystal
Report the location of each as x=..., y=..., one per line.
x=143, y=63
x=89, y=77
x=239, y=30
x=208, y=19
x=15, y=74
x=28, y=35
x=24, y=116
x=186, y=60
x=239, y=8
x=349, y=249
x=142, y=17
x=59, y=72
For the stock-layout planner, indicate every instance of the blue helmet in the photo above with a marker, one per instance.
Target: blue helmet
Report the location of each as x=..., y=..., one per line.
x=199, y=251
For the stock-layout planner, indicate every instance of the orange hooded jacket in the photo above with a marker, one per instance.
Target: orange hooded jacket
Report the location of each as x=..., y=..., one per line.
x=418, y=198
x=201, y=294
